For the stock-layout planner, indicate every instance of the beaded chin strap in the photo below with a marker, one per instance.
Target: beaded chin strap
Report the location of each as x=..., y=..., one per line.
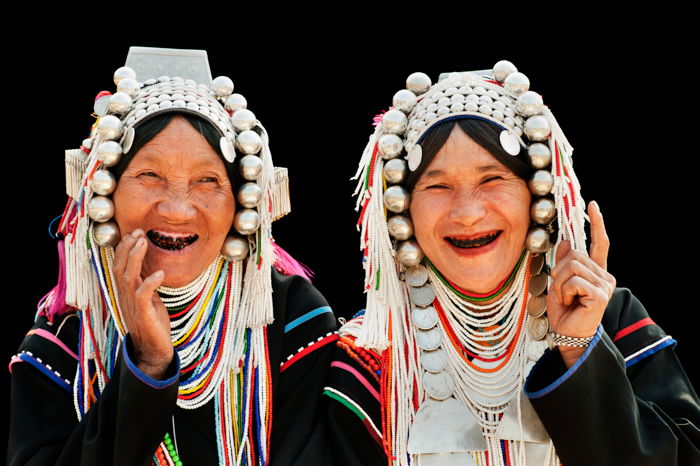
x=436, y=333
x=233, y=295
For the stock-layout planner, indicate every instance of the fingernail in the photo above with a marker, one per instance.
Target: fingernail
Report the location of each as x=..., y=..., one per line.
x=137, y=232
x=159, y=274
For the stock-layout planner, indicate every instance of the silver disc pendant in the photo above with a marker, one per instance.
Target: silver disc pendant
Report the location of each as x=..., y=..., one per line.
x=416, y=275
x=422, y=295
x=536, y=306
x=536, y=264
x=509, y=427
x=538, y=327
x=438, y=386
x=509, y=142
x=415, y=157
x=127, y=139
x=227, y=149
x=433, y=361
x=424, y=318
x=447, y=459
x=444, y=427
x=428, y=339
x=538, y=284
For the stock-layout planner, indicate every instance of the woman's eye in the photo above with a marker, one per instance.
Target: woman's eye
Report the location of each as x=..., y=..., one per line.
x=437, y=186
x=150, y=174
x=208, y=179
x=493, y=178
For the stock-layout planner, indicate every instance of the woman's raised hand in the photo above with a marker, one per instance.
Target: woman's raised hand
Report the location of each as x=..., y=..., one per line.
x=581, y=287
x=143, y=312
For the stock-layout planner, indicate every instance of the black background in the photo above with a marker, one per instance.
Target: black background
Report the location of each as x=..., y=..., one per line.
x=626, y=102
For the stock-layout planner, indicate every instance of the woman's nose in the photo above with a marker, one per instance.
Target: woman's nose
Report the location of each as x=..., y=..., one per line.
x=467, y=207
x=177, y=208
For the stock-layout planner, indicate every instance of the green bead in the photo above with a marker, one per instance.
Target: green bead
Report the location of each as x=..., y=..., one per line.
x=178, y=463
x=168, y=441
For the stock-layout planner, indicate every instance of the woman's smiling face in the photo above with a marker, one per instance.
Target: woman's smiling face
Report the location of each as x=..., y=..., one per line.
x=470, y=214
x=176, y=189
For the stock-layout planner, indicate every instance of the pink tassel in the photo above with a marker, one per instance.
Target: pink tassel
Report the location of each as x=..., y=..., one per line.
x=288, y=265
x=58, y=306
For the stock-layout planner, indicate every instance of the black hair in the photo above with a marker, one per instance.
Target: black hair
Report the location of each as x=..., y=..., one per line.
x=484, y=133
x=150, y=128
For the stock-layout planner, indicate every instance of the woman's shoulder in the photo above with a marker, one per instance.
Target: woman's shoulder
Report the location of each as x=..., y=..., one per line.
x=51, y=347
x=629, y=326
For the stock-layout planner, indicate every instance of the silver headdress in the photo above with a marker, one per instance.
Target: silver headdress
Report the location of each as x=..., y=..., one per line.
x=400, y=317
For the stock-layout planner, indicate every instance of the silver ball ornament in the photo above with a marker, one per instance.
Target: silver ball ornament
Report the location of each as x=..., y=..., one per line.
x=529, y=103
x=109, y=127
x=243, y=120
x=120, y=103
x=541, y=183
x=222, y=86
x=250, y=167
x=394, y=121
x=100, y=208
x=404, y=100
x=390, y=146
x=106, y=234
x=537, y=240
x=249, y=195
x=400, y=227
x=543, y=211
x=249, y=142
x=109, y=153
x=539, y=155
x=122, y=73
x=235, y=248
x=246, y=221
x=409, y=253
x=129, y=86
x=236, y=102
x=395, y=171
x=103, y=183
x=418, y=83
x=502, y=69
x=517, y=83
x=397, y=199
x=537, y=128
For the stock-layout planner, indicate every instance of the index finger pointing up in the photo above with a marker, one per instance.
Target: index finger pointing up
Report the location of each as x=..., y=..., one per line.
x=600, y=244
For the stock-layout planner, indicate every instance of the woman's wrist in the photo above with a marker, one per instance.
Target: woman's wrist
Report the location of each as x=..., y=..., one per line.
x=571, y=354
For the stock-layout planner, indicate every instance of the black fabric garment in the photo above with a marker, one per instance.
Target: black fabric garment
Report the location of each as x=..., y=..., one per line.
x=603, y=411
x=131, y=417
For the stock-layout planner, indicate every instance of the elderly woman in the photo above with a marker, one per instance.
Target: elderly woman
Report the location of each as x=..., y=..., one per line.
x=492, y=335
x=170, y=340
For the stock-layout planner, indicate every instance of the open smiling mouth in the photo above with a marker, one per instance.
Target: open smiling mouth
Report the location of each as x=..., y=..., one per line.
x=171, y=243
x=475, y=242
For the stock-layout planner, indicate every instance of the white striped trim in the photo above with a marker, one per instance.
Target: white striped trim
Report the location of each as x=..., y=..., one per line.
x=647, y=348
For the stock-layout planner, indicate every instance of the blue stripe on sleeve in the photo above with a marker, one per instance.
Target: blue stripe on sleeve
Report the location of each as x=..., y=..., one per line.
x=159, y=384
x=309, y=315
x=62, y=383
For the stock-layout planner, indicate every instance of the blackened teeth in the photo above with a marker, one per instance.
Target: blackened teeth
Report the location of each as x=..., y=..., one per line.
x=473, y=243
x=170, y=243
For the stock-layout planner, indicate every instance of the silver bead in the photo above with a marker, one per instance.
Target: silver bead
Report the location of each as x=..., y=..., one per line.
x=235, y=248
x=539, y=154
x=394, y=121
x=103, y=183
x=250, y=167
x=543, y=211
x=409, y=253
x=390, y=146
x=246, y=221
x=395, y=171
x=109, y=153
x=541, y=183
x=87, y=143
x=106, y=234
x=537, y=128
x=249, y=142
x=249, y=195
x=517, y=83
x=120, y=103
x=397, y=199
x=418, y=83
x=235, y=102
x=109, y=127
x=222, y=86
x=400, y=227
x=123, y=72
x=485, y=109
x=404, y=100
x=243, y=120
x=100, y=208
x=129, y=86
x=502, y=69
x=529, y=103
x=537, y=240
